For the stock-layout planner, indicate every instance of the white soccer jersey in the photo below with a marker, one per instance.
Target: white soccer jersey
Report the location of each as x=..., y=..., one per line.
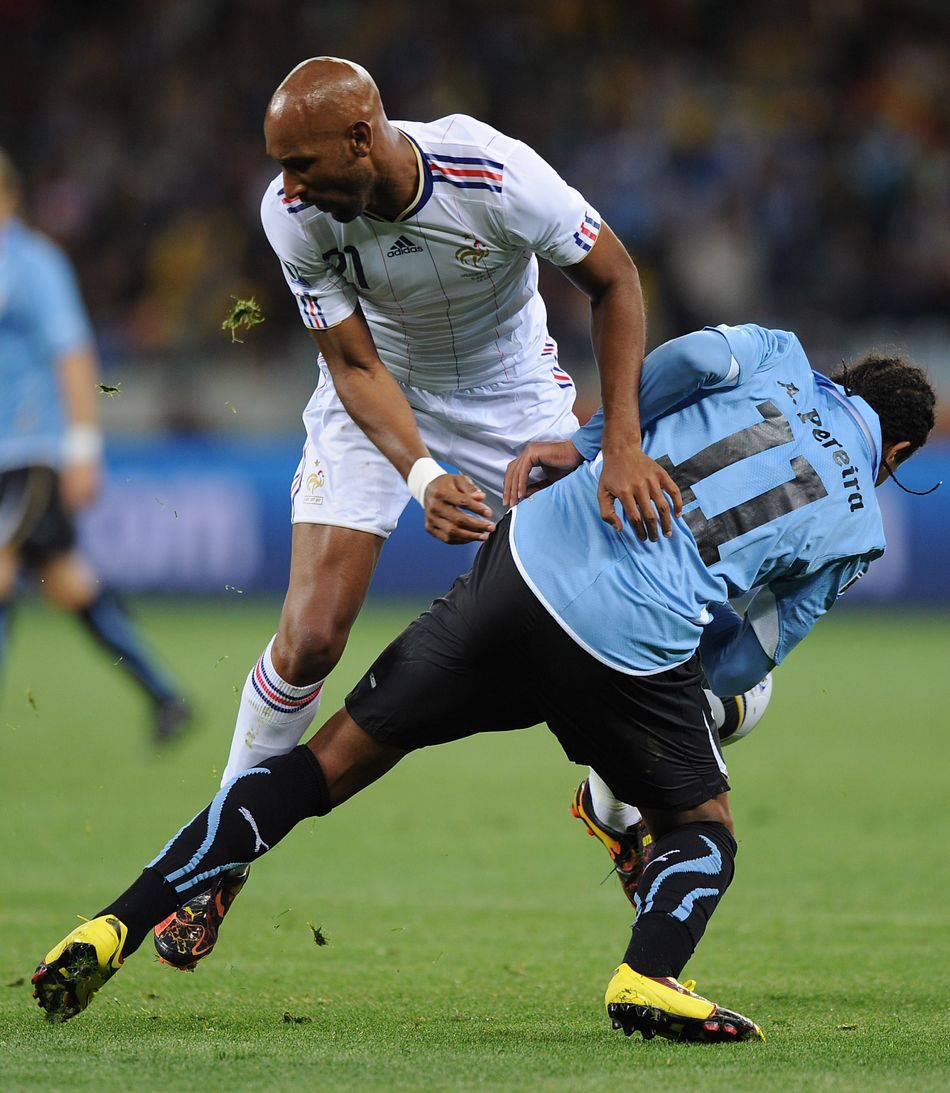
x=450, y=289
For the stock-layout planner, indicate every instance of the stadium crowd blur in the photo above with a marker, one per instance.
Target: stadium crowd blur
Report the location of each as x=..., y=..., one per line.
x=786, y=164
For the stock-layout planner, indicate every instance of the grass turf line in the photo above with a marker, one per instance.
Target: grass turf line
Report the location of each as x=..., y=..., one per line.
x=469, y=937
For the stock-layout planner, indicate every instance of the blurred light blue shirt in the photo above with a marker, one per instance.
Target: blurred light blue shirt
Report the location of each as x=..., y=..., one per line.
x=41, y=317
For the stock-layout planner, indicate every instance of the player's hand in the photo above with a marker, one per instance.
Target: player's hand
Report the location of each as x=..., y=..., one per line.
x=641, y=486
x=447, y=497
x=79, y=484
x=556, y=458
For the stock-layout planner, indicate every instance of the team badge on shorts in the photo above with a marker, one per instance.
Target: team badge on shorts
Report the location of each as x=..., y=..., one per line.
x=313, y=485
x=316, y=480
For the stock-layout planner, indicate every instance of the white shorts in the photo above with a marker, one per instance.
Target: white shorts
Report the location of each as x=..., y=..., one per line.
x=343, y=478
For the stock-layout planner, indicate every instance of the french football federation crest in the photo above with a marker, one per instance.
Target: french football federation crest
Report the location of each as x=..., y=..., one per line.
x=473, y=255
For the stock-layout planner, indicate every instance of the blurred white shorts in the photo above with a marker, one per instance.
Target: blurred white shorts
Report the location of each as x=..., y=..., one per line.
x=343, y=479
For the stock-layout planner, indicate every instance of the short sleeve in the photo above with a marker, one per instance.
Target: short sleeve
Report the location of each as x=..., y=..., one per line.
x=543, y=214
x=65, y=324
x=674, y=371
x=756, y=347
x=324, y=297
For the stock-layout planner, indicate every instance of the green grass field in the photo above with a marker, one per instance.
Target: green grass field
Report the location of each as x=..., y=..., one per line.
x=470, y=936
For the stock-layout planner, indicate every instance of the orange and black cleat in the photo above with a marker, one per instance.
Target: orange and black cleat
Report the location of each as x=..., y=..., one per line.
x=190, y=933
x=629, y=850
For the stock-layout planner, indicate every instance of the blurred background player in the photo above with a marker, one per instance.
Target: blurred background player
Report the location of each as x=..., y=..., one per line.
x=51, y=450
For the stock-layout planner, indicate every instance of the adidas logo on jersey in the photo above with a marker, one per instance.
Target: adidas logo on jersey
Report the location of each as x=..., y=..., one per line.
x=403, y=245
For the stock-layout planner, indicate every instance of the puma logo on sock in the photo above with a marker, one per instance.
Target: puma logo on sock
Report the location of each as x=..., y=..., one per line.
x=258, y=841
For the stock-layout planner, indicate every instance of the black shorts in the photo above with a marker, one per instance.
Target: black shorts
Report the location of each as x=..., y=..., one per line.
x=33, y=519
x=488, y=657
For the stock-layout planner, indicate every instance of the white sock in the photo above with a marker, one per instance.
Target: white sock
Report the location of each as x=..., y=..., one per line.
x=272, y=717
x=718, y=710
x=608, y=809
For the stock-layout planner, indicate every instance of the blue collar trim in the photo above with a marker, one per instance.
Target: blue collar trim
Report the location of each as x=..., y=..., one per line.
x=864, y=417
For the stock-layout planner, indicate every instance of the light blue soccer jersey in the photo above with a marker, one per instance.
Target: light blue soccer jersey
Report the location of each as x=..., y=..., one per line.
x=41, y=317
x=776, y=466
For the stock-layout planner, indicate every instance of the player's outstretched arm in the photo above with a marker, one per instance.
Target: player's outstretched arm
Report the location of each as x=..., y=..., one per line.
x=732, y=654
x=455, y=509
x=609, y=279
x=81, y=476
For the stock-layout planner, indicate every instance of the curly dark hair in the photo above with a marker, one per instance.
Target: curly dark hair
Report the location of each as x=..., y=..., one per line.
x=898, y=391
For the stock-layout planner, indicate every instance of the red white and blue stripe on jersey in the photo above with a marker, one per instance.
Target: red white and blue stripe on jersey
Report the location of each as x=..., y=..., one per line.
x=561, y=378
x=586, y=235
x=295, y=485
x=549, y=353
x=272, y=694
x=292, y=204
x=466, y=172
x=311, y=311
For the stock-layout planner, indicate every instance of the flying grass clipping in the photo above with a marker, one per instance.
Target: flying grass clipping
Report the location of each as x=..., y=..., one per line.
x=242, y=317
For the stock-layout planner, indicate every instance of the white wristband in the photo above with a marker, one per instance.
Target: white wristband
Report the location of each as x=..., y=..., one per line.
x=423, y=472
x=82, y=444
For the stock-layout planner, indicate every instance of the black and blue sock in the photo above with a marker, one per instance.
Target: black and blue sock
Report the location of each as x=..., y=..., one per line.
x=247, y=817
x=111, y=626
x=691, y=868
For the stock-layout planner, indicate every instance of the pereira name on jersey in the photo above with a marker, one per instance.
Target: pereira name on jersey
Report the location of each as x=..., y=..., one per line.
x=450, y=288
x=776, y=471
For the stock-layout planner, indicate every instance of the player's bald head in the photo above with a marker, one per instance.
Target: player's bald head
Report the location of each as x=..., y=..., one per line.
x=325, y=94
x=326, y=128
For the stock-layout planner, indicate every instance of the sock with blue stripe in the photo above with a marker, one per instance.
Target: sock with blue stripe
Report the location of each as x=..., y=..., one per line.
x=691, y=868
x=247, y=817
x=110, y=624
x=272, y=717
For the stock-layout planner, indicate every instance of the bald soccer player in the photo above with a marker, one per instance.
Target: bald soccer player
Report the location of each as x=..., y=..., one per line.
x=411, y=249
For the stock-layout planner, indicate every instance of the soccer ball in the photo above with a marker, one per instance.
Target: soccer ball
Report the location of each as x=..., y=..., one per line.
x=742, y=713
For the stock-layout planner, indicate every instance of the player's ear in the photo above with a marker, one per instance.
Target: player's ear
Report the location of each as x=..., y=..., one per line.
x=896, y=453
x=892, y=456
x=361, y=138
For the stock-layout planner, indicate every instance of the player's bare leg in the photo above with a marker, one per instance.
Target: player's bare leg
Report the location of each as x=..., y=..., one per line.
x=68, y=580
x=9, y=567
x=691, y=867
x=330, y=571
x=8, y=575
